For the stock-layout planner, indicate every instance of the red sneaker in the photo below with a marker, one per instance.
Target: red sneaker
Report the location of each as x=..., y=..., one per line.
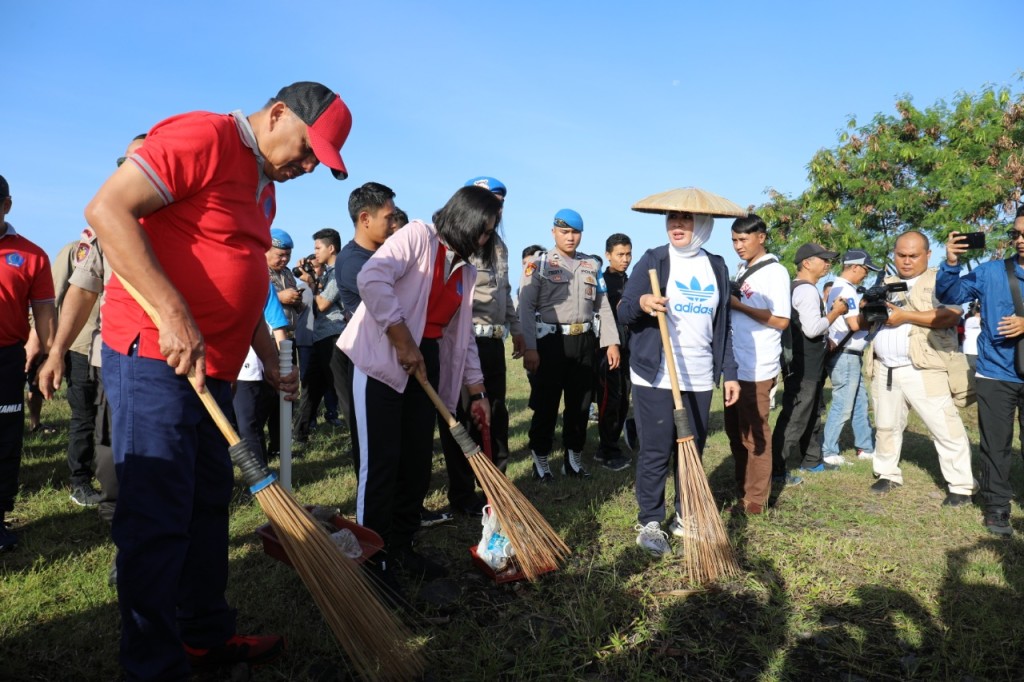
x=238, y=649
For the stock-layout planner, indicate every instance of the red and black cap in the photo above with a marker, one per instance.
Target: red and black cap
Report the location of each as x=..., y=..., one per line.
x=327, y=117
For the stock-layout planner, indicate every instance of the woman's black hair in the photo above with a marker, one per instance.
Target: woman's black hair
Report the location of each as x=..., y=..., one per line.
x=462, y=221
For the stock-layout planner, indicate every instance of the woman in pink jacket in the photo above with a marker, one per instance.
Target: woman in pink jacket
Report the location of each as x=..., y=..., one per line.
x=416, y=318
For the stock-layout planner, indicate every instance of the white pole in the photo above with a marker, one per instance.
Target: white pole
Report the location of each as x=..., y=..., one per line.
x=285, y=359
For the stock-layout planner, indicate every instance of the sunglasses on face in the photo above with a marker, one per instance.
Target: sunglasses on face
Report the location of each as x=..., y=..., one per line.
x=1013, y=235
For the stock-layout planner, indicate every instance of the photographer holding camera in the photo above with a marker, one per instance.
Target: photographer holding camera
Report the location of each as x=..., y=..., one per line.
x=1000, y=386
x=327, y=326
x=915, y=364
x=847, y=339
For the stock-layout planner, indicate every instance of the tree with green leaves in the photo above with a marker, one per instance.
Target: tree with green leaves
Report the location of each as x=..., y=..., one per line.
x=946, y=167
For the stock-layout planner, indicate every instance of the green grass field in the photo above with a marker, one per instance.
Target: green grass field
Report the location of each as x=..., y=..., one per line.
x=838, y=583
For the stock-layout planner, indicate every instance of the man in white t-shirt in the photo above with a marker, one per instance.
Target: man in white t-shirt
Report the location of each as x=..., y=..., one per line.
x=847, y=338
x=761, y=310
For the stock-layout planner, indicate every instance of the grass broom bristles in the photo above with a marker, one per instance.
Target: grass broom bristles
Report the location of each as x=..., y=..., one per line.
x=538, y=548
x=377, y=644
x=707, y=554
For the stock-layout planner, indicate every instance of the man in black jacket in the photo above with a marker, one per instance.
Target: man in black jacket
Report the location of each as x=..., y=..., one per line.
x=613, y=385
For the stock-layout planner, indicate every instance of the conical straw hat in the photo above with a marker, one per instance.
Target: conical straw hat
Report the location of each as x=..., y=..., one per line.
x=691, y=200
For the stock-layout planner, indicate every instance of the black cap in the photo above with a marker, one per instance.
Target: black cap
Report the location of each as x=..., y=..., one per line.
x=812, y=249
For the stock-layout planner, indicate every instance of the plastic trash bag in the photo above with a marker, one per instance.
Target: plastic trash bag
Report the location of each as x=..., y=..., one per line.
x=494, y=547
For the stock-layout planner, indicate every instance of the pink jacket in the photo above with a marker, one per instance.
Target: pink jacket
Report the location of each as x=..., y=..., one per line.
x=395, y=285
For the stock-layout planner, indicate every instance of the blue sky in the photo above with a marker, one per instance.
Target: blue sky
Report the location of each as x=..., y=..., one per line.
x=583, y=105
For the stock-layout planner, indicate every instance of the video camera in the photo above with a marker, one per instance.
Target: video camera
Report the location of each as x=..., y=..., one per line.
x=875, y=299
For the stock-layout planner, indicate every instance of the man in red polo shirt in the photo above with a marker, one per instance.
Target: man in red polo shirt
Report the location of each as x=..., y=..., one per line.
x=25, y=282
x=186, y=220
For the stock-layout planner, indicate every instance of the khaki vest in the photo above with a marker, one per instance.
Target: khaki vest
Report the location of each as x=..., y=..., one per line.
x=932, y=348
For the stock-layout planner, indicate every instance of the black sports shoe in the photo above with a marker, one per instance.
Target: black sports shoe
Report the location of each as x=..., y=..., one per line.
x=238, y=649
x=429, y=518
x=617, y=463
x=998, y=523
x=956, y=500
x=381, y=575
x=884, y=485
x=414, y=564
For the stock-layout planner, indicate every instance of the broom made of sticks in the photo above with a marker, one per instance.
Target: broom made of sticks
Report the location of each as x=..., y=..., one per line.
x=707, y=553
x=538, y=547
x=375, y=641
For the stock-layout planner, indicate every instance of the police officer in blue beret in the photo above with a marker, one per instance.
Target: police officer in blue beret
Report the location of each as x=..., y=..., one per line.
x=561, y=291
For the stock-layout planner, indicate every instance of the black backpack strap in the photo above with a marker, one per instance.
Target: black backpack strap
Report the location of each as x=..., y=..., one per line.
x=752, y=269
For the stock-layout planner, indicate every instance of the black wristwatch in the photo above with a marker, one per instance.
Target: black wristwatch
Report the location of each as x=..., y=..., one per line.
x=477, y=396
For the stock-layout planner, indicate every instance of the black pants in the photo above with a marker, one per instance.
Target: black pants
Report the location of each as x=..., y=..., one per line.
x=461, y=483
x=566, y=366
x=613, y=387
x=12, y=422
x=315, y=383
x=394, y=435
x=341, y=369
x=253, y=401
x=658, y=449
x=798, y=432
x=82, y=400
x=999, y=402
x=106, y=473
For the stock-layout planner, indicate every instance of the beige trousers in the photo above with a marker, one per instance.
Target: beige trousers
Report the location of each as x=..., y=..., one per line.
x=927, y=391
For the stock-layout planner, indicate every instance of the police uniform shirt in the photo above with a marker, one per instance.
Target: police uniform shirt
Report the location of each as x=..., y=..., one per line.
x=558, y=289
x=492, y=296
x=63, y=265
x=92, y=273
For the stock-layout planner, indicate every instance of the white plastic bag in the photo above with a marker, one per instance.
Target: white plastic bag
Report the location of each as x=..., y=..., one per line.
x=494, y=547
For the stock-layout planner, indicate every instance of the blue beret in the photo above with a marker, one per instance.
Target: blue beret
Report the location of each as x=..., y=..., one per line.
x=492, y=184
x=280, y=239
x=569, y=218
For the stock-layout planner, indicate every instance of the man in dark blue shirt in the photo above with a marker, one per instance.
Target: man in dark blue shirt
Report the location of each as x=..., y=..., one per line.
x=372, y=208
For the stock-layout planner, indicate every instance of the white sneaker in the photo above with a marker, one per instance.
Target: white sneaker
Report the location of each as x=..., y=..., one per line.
x=835, y=460
x=572, y=465
x=681, y=529
x=653, y=539
x=541, y=468
x=864, y=454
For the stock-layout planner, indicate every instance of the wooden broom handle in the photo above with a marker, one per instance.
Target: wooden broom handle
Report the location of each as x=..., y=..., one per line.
x=205, y=396
x=670, y=358
x=436, y=399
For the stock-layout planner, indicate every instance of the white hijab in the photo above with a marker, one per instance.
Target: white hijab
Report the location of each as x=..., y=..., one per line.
x=702, y=225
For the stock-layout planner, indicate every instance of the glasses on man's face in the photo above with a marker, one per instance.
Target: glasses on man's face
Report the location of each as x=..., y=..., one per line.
x=1014, y=235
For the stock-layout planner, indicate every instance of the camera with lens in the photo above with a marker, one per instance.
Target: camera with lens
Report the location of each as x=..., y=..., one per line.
x=306, y=267
x=875, y=298
x=734, y=289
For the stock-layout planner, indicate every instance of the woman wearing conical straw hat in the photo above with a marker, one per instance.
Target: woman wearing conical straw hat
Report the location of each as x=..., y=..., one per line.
x=695, y=286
